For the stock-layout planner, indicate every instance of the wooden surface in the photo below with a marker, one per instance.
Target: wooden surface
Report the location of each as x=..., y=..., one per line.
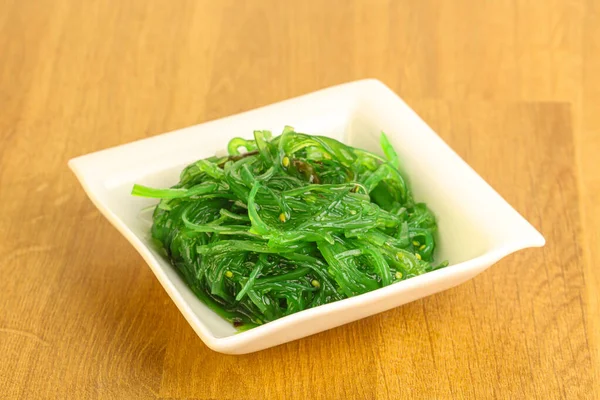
x=511, y=85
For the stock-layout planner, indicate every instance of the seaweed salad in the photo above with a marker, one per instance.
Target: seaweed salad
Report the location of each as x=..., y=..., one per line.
x=282, y=224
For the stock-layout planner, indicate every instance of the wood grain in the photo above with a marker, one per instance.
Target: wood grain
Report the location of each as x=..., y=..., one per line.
x=512, y=86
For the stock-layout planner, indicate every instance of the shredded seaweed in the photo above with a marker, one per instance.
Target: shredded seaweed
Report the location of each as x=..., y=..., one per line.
x=290, y=223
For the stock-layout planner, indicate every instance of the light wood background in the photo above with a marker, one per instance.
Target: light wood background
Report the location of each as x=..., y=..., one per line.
x=513, y=86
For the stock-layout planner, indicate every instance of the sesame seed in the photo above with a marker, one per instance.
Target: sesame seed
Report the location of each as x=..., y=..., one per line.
x=282, y=217
x=315, y=283
x=418, y=256
x=285, y=161
x=229, y=274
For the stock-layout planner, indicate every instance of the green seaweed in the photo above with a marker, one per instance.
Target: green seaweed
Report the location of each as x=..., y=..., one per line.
x=294, y=222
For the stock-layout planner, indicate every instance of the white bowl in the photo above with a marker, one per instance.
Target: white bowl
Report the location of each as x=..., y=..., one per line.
x=476, y=226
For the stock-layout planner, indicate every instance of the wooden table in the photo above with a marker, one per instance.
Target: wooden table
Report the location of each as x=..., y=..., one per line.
x=511, y=85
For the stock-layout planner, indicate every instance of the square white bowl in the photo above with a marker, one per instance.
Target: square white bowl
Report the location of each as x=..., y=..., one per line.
x=476, y=226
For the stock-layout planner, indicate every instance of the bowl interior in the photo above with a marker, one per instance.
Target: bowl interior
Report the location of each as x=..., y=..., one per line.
x=353, y=127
